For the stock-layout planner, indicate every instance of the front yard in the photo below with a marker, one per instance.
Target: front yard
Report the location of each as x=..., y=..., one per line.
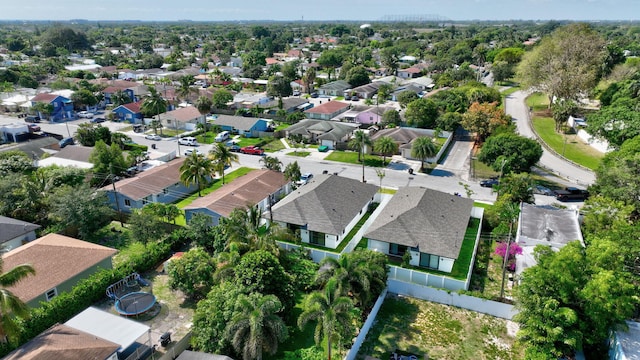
x=443, y=332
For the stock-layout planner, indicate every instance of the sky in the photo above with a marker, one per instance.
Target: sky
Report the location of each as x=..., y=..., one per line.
x=286, y=10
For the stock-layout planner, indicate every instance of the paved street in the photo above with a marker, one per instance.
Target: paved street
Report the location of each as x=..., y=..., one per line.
x=516, y=107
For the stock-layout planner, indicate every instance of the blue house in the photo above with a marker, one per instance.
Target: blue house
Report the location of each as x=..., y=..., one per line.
x=160, y=184
x=625, y=345
x=62, y=106
x=246, y=126
x=129, y=112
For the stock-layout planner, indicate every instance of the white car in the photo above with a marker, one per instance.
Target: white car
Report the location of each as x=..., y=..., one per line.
x=191, y=151
x=85, y=114
x=153, y=137
x=191, y=141
x=304, y=178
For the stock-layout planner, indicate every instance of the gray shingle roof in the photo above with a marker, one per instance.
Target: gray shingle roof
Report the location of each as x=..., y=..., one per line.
x=12, y=228
x=431, y=220
x=336, y=85
x=238, y=122
x=306, y=126
x=326, y=204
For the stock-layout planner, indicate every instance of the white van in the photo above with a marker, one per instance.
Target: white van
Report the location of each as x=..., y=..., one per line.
x=191, y=141
x=223, y=136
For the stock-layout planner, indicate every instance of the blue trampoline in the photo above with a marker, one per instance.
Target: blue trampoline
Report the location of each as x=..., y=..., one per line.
x=135, y=303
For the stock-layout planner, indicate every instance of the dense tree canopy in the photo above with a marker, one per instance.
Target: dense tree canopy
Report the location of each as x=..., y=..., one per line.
x=509, y=152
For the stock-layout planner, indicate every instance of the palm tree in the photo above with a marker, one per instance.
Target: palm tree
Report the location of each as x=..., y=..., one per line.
x=184, y=89
x=255, y=327
x=154, y=104
x=120, y=98
x=204, y=104
x=271, y=163
x=10, y=305
x=359, y=142
x=222, y=157
x=423, y=148
x=330, y=310
x=386, y=146
x=309, y=77
x=292, y=171
x=195, y=170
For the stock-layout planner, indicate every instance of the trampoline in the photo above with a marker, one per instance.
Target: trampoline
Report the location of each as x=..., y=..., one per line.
x=135, y=303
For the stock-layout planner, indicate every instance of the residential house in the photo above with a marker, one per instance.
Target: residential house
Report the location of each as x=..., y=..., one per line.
x=404, y=137
x=62, y=106
x=75, y=156
x=184, y=118
x=334, y=88
x=391, y=79
x=291, y=104
x=544, y=225
x=133, y=338
x=325, y=133
x=429, y=224
x=259, y=188
x=159, y=184
x=424, y=82
x=15, y=132
x=364, y=114
x=62, y=342
x=409, y=87
x=129, y=112
x=407, y=59
x=245, y=126
x=625, y=344
x=15, y=233
x=409, y=73
x=366, y=91
x=135, y=91
x=327, y=111
x=325, y=209
x=60, y=263
x=247, y=101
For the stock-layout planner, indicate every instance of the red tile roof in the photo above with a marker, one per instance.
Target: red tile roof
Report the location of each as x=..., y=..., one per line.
x=133, y=107
x=56, y=259
x=44, y=97
x=327, y=108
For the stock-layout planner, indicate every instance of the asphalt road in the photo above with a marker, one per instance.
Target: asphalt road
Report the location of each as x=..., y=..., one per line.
x=516, y=107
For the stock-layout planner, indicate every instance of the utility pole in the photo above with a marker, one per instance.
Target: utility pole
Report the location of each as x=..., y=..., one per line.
x=115, y=194
x=362, y=152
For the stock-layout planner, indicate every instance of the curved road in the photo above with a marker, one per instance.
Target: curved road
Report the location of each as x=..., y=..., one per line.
x=516, y=107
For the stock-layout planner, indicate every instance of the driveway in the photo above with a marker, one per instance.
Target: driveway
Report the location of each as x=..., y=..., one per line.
x=516, y=107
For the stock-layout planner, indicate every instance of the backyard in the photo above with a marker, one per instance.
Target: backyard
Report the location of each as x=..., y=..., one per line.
x=443, y=332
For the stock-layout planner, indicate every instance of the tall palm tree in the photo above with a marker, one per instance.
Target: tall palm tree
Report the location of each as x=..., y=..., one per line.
x=330, y=309
x=359, y=142
x=386, y=146
x=309, y=77
x=185, y=90
x=204, y=104
x=222, y=157
x=10, y=305
x=271, y=163
x=154, y=104
x=423, y=148
x=195, y=170
x=255, y=327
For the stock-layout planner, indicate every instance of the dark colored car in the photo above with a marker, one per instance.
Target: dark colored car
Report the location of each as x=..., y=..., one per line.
x=489, y=183
x=234, y=148
x=571, y=194
x=355, y=98
x=32, y=119
x=314, y=95
x=66, y=141
x=98, y=120
x=34, y=128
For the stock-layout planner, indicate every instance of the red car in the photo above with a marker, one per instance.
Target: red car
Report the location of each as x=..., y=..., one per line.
x=252, y=150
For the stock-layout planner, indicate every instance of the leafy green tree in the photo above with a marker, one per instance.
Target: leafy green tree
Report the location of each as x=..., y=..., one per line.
x=145, y=227
x=359, y=142
x=256, y=327
x=292, y=171
x=221, y=97
x=221, y=157
x=330, y=310
x=271, y=163
x=196, y=169
x=384, y=91
x=212, y=316
x=279, y=87
x=386, y=146
x=331, y=59
x=309, y=78
x=204, y=104
x=406, y=97
x=502, y=71
x=16, y=161
x=602, y=215
x=422, y=113
x=423, y=148
x=192, y=273
x=509, y=152
x=11, y=307
x=391, y=117
x=79, y=211
x=518, y=187
x=617, y=122
x=83, y=98
x=358, y=76
x=390, y=58
x=448, y=121
x=43, y=109
x=561, y=110
x=107, y=161
x=120, y=98
x=566, y=63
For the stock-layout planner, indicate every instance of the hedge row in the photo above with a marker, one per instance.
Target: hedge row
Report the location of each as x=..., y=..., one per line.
x=91, y=290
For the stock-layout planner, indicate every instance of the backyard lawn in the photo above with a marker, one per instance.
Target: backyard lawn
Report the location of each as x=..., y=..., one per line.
x=443, y=332
x=351, y=157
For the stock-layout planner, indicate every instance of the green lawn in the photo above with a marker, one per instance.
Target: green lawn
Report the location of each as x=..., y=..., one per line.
x=351, y=157
x=538, y=101
x=574, y=149
x=282, y=126
x=441, y=331
x=274, y=146
x=298, y=339
x=207, y=138
x=299, y=153
x=482, y=171
x=243, y=141
x=510, y=91
x=355, y=229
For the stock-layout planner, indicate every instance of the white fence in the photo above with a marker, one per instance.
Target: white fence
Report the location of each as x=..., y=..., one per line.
x=472, y=303
x=351, y=355
x=425, y=279
x=316, y=254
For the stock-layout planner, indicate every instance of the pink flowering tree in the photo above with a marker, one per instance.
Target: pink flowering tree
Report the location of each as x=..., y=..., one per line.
x=514, y=249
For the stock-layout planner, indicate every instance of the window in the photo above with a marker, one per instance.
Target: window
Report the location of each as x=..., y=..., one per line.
x=51, y=294
x=398, y=250
x=316, y=238
x=127, y=202
x=429, y=261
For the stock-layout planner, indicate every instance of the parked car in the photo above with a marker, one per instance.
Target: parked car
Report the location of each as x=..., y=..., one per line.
x=304, y=178
x=489, y=183
x=314, y=95
x=296, y=93
x=64, y=142
x=32, y=119
x=85, y=114
x=234, y=148
x=252, y=150
x=153, y=137
x=542, y=190
x=355, y=98
x=571, y=194
x=34, y=128
x=188, y=140
x=323, y=148
x=191, y=151
x=98, y=120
